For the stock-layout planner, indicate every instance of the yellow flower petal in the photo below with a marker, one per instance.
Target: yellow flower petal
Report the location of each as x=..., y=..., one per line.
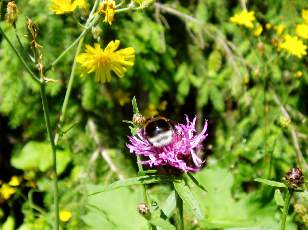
x=14, y=181
x=66, y=6
x=107, y=7
x=65, y=215
x=6, y=191
x=305, y=15
x=302, y=30
x=244, y=18
x=258, y=31
x=294, y=46
x=103, y=61
x=62, y=6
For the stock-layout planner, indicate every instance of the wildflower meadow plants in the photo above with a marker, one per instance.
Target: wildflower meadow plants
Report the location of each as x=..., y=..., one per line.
x=218, y=132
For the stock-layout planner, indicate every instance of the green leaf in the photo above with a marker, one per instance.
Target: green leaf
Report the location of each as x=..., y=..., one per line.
x=217, y=99
x=147, y=179
x=278, y=198
x=135, y=106
x=112, y=209
x=188, y=197
x=271, y=183
x=203, y=95
x=159, y=222
x=38, y=156
x=169, y=205
x=196, y=182
x=9, y=224
x=215, y=61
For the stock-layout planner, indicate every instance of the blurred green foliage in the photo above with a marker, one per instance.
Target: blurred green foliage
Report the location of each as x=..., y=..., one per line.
x=194, y=61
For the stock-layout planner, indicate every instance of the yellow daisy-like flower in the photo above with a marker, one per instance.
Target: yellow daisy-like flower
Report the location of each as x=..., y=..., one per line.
x=294, y=46
x=299, y=74
x=66, y=6
x=244, y=18
x=302, y=30
x=305, y=15
x=65, y=215
x=14, y=181
x=258, y=31
x=103, y=61
x=279, y=29
x=107, y=7
x=6, y=191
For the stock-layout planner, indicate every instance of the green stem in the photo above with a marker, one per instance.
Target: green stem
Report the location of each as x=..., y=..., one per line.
x=92, y=20
x=179, y=212
x=32, y=74
x=54, y=154
x=68, y=93
x=80, y=40
x=286, y=209
x=144, y=189
x=129, y=8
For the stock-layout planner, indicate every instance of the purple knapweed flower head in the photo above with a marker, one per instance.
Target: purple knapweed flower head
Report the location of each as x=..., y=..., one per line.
x=180, y=153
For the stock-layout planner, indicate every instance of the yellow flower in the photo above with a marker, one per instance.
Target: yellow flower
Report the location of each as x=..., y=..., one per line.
x=14, y=181
x=279, y=29
x=294, y=46
x=7, y=191
x=268, y=26
x=81, y=3
x=65, y=215
x=103, y=61
x=302, y=30
x=305, y=15
x=258, y=31
x=108, y=7
x=244, y=18
x=299, y=74
x=66, y=6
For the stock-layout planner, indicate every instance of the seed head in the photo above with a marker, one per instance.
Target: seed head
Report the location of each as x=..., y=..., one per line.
x=143, y=209
x=139, y=119
x=11, y=13
x=294, y=178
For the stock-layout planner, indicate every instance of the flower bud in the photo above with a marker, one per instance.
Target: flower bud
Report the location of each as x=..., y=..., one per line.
x=143, y=209
x=294, y=178
x=139, y=119
x=11, y=13
x=285, y=122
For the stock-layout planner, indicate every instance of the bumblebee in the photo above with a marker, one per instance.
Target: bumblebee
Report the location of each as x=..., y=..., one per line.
x=159, y=131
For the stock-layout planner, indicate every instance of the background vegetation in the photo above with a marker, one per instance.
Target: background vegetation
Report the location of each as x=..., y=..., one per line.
x=190, y=59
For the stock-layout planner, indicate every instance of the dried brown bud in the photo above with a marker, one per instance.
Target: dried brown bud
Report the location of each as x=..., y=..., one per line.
x=139, y=120
x=143, y=209
x=294, y=178
x=11, y=13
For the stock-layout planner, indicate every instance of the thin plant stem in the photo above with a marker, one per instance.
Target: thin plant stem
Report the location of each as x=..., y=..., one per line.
x=32, y=74
x=80, y=40
x=286, y=209
x=144, y=188
x=179, y=212
x=81, y=36
x=54, y=153
x=68, y=93
x=299, y=155
x=92, y=20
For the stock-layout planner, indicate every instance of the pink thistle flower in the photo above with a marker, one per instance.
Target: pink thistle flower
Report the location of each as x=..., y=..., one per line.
x=180, y=153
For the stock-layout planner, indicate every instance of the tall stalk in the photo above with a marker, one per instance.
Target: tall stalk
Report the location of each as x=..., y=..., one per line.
x=54, y=153
x=286, y=209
